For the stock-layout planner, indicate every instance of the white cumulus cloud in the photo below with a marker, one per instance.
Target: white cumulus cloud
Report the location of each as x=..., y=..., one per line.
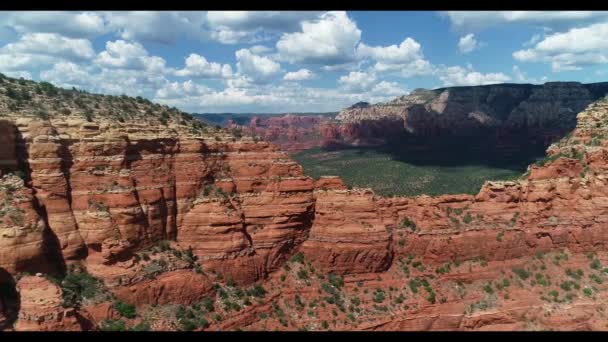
x=357, y=81
x=69, y=24
x=467, y=43
x=570, y=50
x=124, y=55
x=260, y=69
x=300, y=75
x=385, y=88
x=405, y=59
x=330, y=40
x=198, y=66
x=459, y=76
x=157, y=26
x=51, y=44
x=477, y=20
x=231, y=27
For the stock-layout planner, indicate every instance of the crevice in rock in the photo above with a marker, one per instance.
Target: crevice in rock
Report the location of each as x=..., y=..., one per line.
x=67, y=161
x=10, y=301
x=52, y=260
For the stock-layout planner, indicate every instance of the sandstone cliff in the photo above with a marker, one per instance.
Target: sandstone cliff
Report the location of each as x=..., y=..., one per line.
x=159, y=210
x=542, y=112
x=291, y=132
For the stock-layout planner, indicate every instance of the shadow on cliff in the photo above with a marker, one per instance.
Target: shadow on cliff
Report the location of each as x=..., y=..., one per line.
x=513, y=152
x=52, y=261
x=134, y=155
x=10, y=301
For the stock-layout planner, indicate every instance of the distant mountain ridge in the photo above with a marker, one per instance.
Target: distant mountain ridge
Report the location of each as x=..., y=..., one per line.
x=244, y=118
x=494, y=110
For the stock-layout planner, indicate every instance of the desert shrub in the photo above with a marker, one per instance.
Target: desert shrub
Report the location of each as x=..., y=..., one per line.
x=567, y=285
x=554, y=294
x=572, y=153
x=48, y=88
x=596, y=279
x=187, y=325
x=208, y=304
x=142, y=326
x=16, y=215
x=335, y=280
x=77, y=286
x=444, y=269
x=164, y=245
x=10, y=92
x=575, y=275
x=595, y=141
x=79, y=102
x=379, y=296
x=414, y=285
x=432, y=295
x=42, y=115
x=298, y=257
x=189, y=256
x=351, y=317
x=113, y=325
x=408, y=223
x=298, y=301
x=540, y=279
x=302, y=274
x=504, y=284
x=124, y=309
x=521, y=273
x=237, y=132
x=500, y=236
x=258, y=291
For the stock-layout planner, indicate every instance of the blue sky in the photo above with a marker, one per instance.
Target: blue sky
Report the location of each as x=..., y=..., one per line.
x=238, y=61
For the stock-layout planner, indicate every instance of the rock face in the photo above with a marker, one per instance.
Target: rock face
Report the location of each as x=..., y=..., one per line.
x=113, y=192
x=534, y=112
x=180, y=286
x=23, y=242
x=291, y=132
x=348, y=235
x=110, y=195
x=41, y=308
x=560, y=204
x=468, y=249
x=507, y=117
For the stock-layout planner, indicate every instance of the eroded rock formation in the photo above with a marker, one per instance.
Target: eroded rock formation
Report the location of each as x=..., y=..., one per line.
x=109, y=195
x=534, y=113
x=41, y=309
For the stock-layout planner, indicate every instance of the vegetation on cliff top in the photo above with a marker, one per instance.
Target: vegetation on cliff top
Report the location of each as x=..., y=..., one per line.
x=44, y=101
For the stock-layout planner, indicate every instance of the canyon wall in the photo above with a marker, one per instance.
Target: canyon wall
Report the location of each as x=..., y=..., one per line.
x=102, y=191
x=291, y=132
x=162, y=214
x=243, y=207
x=506, y=116
x=542, y=113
